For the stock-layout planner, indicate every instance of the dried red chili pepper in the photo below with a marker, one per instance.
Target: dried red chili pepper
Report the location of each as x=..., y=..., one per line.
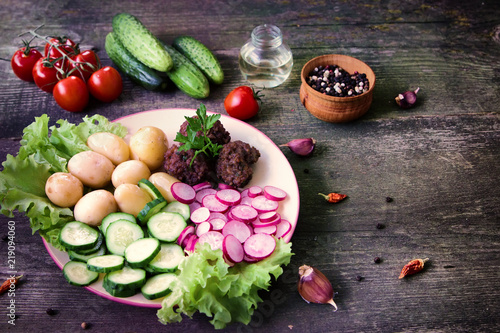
x=413, y=267
x=7, y=283
x=333, y=197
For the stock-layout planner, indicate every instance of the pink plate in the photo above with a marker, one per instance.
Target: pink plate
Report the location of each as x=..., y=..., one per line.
x=272, y=168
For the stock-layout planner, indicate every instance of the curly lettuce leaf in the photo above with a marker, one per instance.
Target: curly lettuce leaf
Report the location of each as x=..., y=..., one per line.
x=43, y=152
x=225, y=294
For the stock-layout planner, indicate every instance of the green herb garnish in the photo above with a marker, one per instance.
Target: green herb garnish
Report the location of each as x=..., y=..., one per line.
x=200, y=143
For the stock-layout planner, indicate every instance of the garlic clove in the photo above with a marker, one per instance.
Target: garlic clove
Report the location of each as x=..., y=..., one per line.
x=407, y=99
x=302, y=147
x=313, y=286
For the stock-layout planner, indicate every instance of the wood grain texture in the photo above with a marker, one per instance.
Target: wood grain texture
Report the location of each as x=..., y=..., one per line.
x=439, y=162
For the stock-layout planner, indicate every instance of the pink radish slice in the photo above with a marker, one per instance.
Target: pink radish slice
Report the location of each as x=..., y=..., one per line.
x=215, y=215
x=258, y=223
x=217, y=224
x=263, y=205
x=238, y=229
x=202, y=214
x=228, y=196
x=270, y=230
x=189, y=230
x=223, y=186
x=249, y=260
x=283, y=228
x=244, y=193
x=213, y=204
x=246, y=201
x=183, y=192
x=244, y=213
x=214, y=238
x=232, y=249
x=201, y=186
x=274, y=193
x=203, y=227
x=268, y=216
x=191, y=243
x=202, y=193
x=194, y=206
x=259, y=246
x=254, y=191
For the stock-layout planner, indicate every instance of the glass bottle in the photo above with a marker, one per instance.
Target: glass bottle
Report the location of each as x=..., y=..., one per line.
x=266, y=60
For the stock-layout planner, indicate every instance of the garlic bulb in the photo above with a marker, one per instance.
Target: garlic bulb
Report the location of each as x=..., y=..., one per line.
x=302, y=147
x=314, y=287
x=407, y=99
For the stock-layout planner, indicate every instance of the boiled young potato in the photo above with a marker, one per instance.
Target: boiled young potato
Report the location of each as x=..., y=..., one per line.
x=163, y=181
x=94, y=206
x=93, y=169
x=131, y=198
x=109, y=145
x=63, y=189
x=130, y=172
x=149, y=145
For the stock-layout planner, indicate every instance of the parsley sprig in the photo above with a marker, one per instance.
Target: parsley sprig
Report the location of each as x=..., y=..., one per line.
x=201, y=143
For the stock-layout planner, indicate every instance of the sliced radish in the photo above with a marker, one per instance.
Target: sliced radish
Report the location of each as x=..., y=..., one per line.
x=274, y=193
x=213, y=204
x=246, y=201
x=270, y=230
x=232, y=249
x=204, y=192
x=249, y=260
x=183, y=192
x=203, y=227
x=263, y=204
x=259, y=246
x=191, y=243
x=254, y=191
x=259, y=224
x=214, y=238
x=217, y=223
x=200, y=215
x=223, y=186
x=228, y=196
x=244, y=193
x=238, y=229
x=244, y=213
x=189, y=230
x=216, y=215
x=194, y=206
x=201, y=186
x=283, y=228
x=268, y=216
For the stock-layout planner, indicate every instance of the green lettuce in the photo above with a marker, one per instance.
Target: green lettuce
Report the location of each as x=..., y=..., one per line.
x=226, y=294
x=45, y=150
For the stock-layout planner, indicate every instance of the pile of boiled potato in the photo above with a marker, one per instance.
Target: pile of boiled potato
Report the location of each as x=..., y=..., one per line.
x=112, y=170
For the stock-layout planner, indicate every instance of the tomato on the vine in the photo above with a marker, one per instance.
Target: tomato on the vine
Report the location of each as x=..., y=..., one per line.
x=85, y=64
x=242, y=103
x=71, y=94
x=106, y=84
x=64, y=45
x=46, y=74
x=23, y=61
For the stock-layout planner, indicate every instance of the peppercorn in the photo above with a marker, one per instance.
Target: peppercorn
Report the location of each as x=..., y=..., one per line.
x=359, y=278
x=377, y=260
x=388, y=199
x=51, y=312
x=335, y=81
x=380, y=226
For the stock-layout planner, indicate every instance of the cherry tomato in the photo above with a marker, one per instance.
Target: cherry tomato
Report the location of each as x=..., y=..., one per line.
x=242, y=103
x=64, y=45
x=23, y=61
x=105, y=84
x=71, y=94
x=87, y=63
x=45, y=74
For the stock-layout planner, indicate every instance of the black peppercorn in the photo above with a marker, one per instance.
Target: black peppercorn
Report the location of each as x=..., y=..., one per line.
x=359, y=278
x=388, y=199
x=51, y=312
x=377, y=260
x=380, y=226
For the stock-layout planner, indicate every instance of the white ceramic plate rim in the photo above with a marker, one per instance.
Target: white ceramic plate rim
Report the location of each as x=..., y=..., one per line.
x=272, y=168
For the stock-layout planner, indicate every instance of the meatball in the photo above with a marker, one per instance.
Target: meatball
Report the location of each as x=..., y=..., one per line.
x=234, y=164
x=177, y=164
x=217, y=134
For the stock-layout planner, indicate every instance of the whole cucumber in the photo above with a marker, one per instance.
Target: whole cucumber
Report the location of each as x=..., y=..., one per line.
x=140, y=42
x=133, y=68
x=186, y=76
x=201, y=56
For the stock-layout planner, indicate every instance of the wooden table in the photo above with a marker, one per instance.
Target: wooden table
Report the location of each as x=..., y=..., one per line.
x=438, y=162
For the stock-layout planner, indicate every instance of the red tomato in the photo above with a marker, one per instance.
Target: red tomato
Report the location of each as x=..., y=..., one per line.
x=64, y=45
x=242, y=103
x=71, y=94
x=45, y=75
x=87, y=63
x=23, y=61
x=105, y=84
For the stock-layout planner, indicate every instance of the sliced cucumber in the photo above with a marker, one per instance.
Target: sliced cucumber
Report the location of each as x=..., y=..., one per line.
x=84, y=257
x=167, y=260
x=178, y=207
x=95, y=248
x=121, y=234
x=166, y=226
x=110, y=218
x=124, y=282
x=142, y=251
x=150, y=188
x=78, y=236
x=105, y=264
x=158, y=286
x=151, y=208
x=77, y=274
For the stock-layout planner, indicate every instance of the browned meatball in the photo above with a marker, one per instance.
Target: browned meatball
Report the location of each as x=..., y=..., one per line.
x=177, y=164
x=234, y=164
x=217, y=134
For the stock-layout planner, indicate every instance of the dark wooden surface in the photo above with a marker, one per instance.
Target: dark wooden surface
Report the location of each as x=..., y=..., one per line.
x=438, y=161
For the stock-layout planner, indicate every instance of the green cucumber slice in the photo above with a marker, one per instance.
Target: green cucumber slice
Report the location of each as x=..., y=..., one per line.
x=178, y=207
x=124, y=282
x=106, y=263
x=78, y=236
x=77, y=274
x=158, y=285
x=84, y=257
x=110, y=218
x=150, y=188
x=167, y=260
x=142, y=251
x=121, y=234
x=151, y=208
x=166, y=226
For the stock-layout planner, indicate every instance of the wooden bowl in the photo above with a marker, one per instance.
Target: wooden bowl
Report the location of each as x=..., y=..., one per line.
x=336, y=109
